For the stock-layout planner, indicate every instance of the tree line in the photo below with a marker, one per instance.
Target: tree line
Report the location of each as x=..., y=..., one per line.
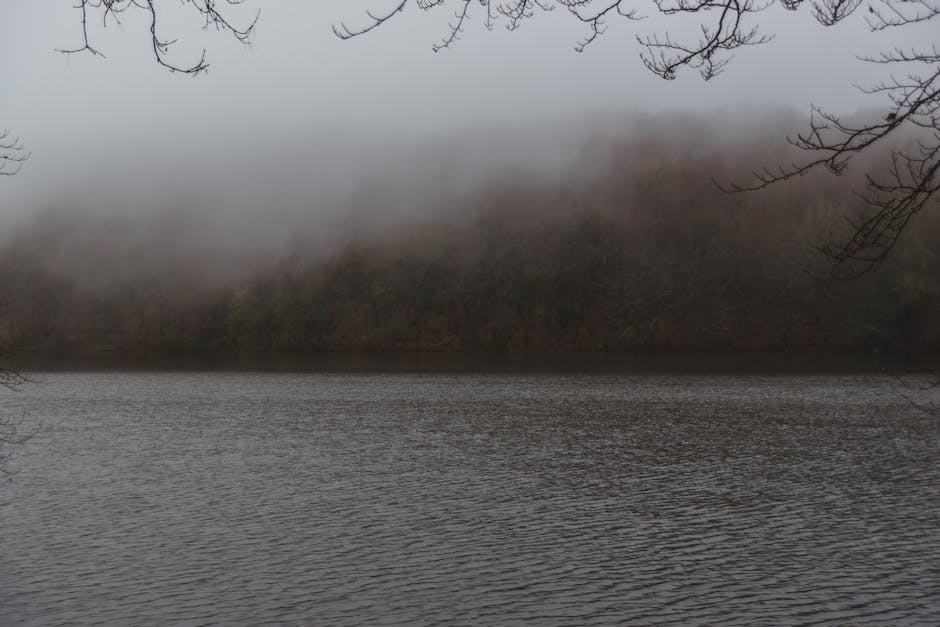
x=638, y=250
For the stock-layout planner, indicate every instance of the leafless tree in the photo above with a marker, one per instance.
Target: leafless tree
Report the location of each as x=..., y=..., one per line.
x=920, y=384
x=910, y=95
x=10, y=426
x=211, y=14
x=12, y=155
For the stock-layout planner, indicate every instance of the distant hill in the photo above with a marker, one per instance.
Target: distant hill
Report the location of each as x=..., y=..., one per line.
x=634, y=249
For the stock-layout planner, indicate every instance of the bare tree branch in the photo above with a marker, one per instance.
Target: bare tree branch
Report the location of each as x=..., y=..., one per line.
x=10, y=426
x=921, y=381
x=664, y=55
x=344, y=32
x=12, y=157
x=595, y=17
x=894, y=196
x=207, y=11
x=11, y=379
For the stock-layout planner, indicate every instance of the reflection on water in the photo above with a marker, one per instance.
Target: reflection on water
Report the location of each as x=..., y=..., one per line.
x=233, y=498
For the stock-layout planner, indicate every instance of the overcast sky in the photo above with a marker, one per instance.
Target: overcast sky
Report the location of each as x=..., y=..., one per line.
x=299, y=101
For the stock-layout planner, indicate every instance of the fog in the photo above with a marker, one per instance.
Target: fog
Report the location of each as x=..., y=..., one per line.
x=312, y=195
x=476, y=336
x=300, y=117
x=303, y=160
x=578, y=240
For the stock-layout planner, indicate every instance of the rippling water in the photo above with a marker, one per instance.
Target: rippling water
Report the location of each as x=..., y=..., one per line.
x=321, y=499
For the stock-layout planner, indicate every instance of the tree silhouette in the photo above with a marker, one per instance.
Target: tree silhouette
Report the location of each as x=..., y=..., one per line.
x=12, y=158
x=10, y=434
x=212, y=14
x=12, y=154
x=910, y=95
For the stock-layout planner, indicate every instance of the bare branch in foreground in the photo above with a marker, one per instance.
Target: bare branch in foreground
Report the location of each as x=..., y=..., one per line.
x=12, y=156
x=210, y=13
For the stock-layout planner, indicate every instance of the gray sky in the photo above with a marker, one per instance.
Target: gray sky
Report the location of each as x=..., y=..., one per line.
x=300, y=110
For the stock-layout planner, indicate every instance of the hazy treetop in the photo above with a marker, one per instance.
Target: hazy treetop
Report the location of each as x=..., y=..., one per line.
x=86, y=118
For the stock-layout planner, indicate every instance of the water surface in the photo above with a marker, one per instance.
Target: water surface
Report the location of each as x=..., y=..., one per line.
x=245, y=498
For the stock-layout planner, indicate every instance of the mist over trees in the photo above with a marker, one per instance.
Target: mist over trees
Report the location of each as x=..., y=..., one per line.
x=12, y=158
x=638, y=249
x=709, y=34
x=910, y=93
x=629, y=247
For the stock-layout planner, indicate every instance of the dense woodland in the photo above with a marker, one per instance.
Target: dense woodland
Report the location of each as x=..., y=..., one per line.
x=633, y=249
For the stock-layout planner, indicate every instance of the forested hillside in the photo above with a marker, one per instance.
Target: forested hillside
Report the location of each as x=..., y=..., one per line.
x=634, y=249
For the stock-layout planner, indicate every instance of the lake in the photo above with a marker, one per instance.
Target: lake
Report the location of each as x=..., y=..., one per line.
x=555, y=498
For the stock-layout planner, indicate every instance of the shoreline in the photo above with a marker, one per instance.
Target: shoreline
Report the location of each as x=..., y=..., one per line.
x=459, y=361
